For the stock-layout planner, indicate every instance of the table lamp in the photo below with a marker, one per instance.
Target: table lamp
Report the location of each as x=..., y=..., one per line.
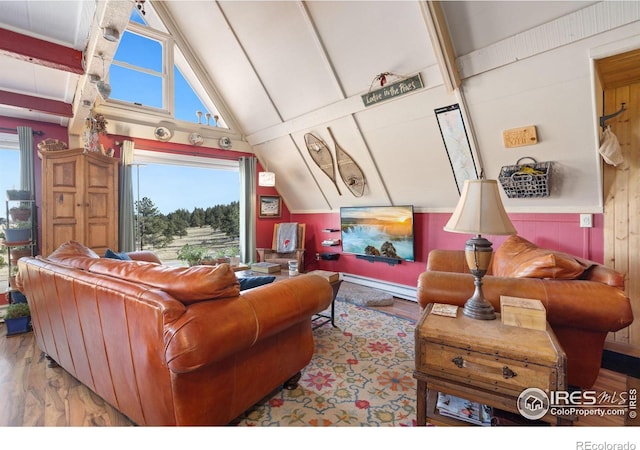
x=479, y=211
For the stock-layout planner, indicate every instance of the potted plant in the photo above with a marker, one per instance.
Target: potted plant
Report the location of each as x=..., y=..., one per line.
x=21, y=233
x=221, y=256
x=17, y=194
x=17, y=318
x=20, y=213
x=192, y=254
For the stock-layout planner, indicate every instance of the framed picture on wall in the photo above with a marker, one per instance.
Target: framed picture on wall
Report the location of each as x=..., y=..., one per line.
x=456, y=143
x=270, y=206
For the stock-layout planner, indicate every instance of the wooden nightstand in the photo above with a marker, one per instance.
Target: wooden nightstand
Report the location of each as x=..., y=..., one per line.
x=484, y=361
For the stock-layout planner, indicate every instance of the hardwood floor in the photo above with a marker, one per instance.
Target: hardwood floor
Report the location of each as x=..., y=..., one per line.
x=34, y=394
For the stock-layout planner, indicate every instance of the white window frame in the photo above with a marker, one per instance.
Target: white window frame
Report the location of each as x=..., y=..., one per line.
x=168, y=107
x=178, y=159
x=172, y=57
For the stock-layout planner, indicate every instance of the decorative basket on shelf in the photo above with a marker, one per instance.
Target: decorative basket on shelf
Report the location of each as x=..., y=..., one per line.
x=526, y=180
x=51, y=145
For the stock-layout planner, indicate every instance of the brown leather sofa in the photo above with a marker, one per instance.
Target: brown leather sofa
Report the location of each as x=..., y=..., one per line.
x=584, y=300
x=166, y=345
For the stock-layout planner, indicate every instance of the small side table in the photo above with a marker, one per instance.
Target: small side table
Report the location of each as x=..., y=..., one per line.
x=483, y=361
x=333, y=278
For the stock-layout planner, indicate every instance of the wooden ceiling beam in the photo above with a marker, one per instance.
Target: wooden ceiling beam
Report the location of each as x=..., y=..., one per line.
x=39, y=104
x=37, y=51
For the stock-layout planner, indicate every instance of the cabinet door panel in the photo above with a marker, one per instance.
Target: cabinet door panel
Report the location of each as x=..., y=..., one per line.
x=101, y=205
x=98, y=237
x=63, y=232
x=99, y=175
x=63, y=174
x=64, y=206
x=98, y=205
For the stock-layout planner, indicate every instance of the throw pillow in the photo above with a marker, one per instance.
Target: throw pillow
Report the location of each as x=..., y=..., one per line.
x=74, y=254
x=116, y=255
x=251, y=282
x=519, y=258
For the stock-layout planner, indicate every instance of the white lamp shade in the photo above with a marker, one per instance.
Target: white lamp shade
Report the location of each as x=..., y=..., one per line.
x=267, y=179
x=480, y=210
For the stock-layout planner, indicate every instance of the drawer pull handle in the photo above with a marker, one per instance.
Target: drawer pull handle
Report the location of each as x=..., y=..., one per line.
x=508, y=373
x=458, y=361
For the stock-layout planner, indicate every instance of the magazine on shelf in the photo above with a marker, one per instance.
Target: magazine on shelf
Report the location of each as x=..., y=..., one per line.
x=461, y=409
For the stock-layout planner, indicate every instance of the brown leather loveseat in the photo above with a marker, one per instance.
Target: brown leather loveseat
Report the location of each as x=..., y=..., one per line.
x=170, y=345
x=584, y=300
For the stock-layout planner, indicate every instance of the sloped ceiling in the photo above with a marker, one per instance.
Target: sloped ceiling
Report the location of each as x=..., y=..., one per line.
x=289, y=68
x=281, y=69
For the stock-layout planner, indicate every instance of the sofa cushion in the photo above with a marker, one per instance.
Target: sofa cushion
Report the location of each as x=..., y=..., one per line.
x=519, y=258
x=117, y=255
x=74, y=254
x=186, y=284
x=252, y=282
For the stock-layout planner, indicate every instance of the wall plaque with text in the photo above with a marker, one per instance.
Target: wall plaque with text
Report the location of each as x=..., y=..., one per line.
x=393, y=90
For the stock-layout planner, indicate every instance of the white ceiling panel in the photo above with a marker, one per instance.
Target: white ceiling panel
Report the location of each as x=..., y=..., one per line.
x=477, y=24
x=213, y=42
x=63, y=22
x=26, y=78
x=285, y=52
x=364, y=39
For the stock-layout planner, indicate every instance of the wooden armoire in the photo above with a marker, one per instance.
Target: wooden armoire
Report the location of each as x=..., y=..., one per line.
x=79, y=200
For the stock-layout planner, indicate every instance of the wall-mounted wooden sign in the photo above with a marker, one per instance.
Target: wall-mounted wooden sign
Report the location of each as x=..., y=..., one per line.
x=517, y=137
x=393, y=90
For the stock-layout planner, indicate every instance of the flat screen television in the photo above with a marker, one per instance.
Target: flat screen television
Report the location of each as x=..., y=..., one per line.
x=385, y=231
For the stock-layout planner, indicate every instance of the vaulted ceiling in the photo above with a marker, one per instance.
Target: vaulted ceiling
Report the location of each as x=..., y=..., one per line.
x=281, y=69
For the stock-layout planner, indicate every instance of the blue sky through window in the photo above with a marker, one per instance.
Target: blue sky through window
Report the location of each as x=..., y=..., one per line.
x=175, y=187
x=9, y=173
x=170, y=187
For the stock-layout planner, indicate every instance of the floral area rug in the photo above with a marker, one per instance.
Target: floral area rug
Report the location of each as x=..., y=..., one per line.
x=361, y=374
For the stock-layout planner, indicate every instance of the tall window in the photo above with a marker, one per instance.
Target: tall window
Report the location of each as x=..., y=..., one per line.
x=9, y=167
x=9, y=179
x=136, y=74
x=197, y=203
x=150, y=72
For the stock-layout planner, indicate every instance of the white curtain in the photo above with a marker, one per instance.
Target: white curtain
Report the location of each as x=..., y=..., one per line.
x=247, y=209
x=126, y=225
x=25, y=138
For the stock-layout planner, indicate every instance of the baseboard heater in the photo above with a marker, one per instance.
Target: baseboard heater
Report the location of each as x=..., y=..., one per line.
x=395, y=289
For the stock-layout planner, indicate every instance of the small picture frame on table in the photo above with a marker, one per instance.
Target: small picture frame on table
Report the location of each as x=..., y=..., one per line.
x=270, y=206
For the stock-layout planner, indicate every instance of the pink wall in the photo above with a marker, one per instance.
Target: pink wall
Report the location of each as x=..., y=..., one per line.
x=555, y=231
x=48, y=131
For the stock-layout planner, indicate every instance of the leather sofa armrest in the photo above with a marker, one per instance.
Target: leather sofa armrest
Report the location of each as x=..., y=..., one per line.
x=144, y=255
x=211, y=331
x=447, y=261
x=571, y=303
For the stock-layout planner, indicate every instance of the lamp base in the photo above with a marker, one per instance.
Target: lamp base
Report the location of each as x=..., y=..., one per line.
x=476, y=306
